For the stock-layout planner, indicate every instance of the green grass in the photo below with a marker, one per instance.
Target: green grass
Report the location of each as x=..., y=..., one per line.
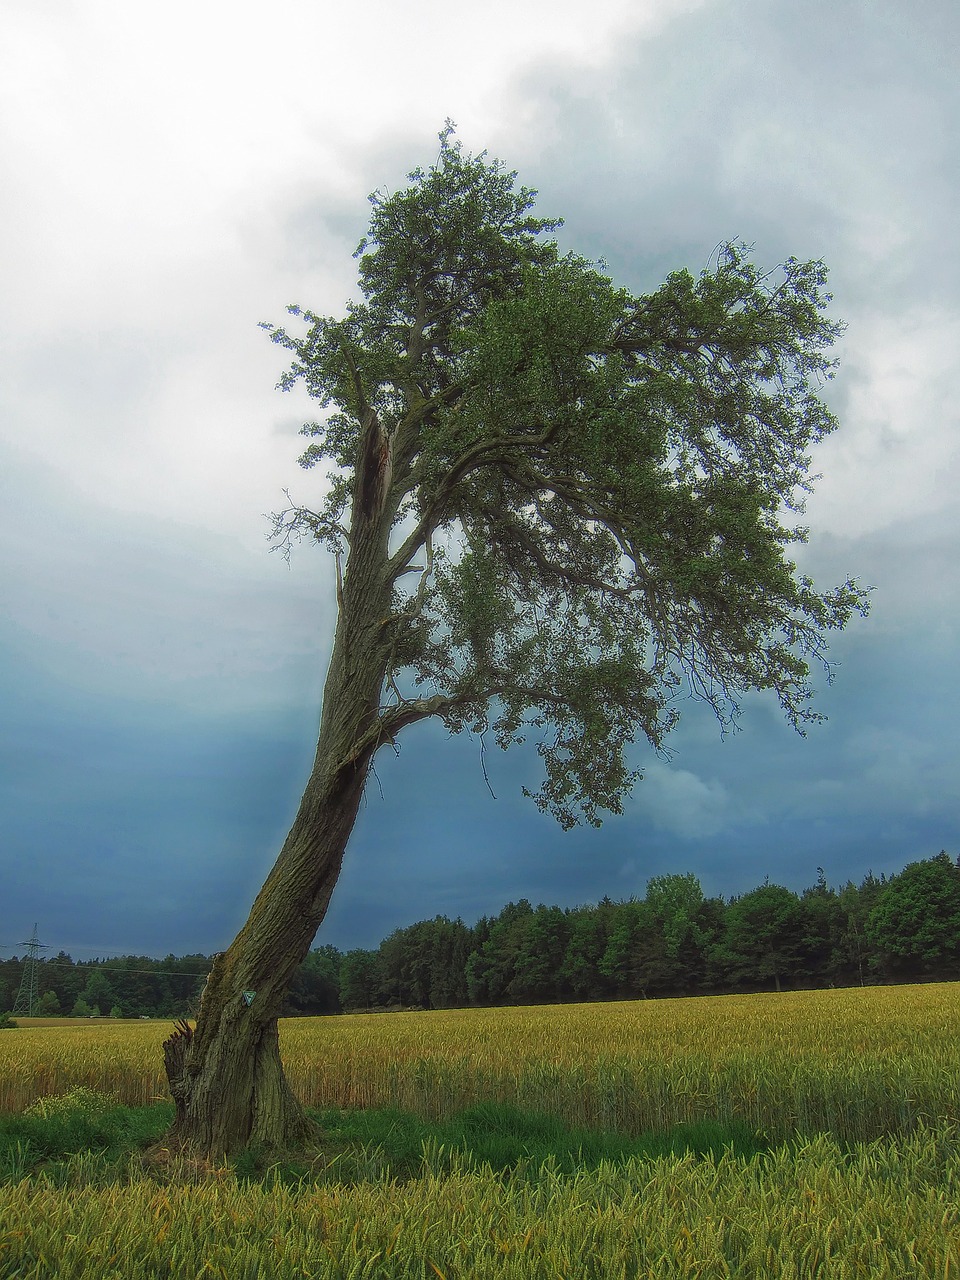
x=79, y=1124
x=89, y=1137
x=506, y=1138
x=490, y=1193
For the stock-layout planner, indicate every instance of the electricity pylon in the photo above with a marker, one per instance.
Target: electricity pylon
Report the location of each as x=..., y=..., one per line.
x=27, y=995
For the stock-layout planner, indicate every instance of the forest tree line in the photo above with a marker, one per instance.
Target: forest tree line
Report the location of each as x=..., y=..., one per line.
x=673, y=941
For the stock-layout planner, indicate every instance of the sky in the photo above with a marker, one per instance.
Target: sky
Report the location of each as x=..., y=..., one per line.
x=172, y=179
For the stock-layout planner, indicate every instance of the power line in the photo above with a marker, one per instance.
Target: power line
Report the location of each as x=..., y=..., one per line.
x=108, y=968
x=105, y=968
x=27, y=993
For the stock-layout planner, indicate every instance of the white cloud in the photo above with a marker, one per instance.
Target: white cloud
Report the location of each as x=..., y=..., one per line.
x=898, y=450
x=157, y=169
x=680, y=802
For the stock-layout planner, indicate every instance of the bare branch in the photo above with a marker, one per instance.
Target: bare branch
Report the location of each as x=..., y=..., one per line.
x=295, y=523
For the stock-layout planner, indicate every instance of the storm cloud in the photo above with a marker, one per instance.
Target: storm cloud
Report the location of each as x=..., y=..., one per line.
x=168, y=185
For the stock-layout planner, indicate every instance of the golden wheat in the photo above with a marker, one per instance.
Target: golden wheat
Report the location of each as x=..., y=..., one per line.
x=858, y=1063
x=875, y=1195
x=883, y=1212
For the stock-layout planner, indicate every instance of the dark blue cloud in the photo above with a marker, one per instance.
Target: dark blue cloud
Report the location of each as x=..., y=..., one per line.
x=160, y=682
x=133, y=828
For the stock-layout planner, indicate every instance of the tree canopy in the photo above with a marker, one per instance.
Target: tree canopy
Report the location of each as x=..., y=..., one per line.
x=592, y=493
x=553, y=505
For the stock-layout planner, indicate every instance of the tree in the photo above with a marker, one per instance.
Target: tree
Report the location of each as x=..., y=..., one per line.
x=48, y=1005
x=493, y=966
x=636, y=953
x=644, y=957
x=764, y=935
x=536, y=974
x=589, y=937
x=98, y=994
x=552, y=505
x=359, y=978
x=857, y=953
x=915, y=922
x=451, y=946
x=61, y=976
x=315, y=987
x=677, y=906
x=825, y=955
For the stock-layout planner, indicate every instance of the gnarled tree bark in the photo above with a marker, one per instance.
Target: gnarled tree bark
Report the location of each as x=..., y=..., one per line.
x=226, y=1076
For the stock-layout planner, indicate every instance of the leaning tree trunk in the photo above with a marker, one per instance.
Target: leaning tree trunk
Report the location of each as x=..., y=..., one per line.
x=226, y=1076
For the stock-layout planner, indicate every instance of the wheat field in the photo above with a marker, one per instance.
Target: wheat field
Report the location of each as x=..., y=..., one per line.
x=858, y=1091
x=858, y=1063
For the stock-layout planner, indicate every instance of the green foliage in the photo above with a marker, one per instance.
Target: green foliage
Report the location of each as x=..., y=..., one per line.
x=17, y=1160
x=72, y=1124
x=764, y=935
x=80, y=1101
x=48, y=1005
x=917, y=915
x=492, y=967
x=589, y=486
x=357, y=1146
x=316, y=983
x=98, y=994
x=506, y=1138
x=589, y=935
x=137, y=985
x=358, y=979
x=674, y=941
x=6, y=1022
x=827, y=945
x=540, y=956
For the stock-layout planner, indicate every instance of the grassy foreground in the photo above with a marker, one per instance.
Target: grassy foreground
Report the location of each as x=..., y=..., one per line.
x=807, y=1135
x=491, y=1192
